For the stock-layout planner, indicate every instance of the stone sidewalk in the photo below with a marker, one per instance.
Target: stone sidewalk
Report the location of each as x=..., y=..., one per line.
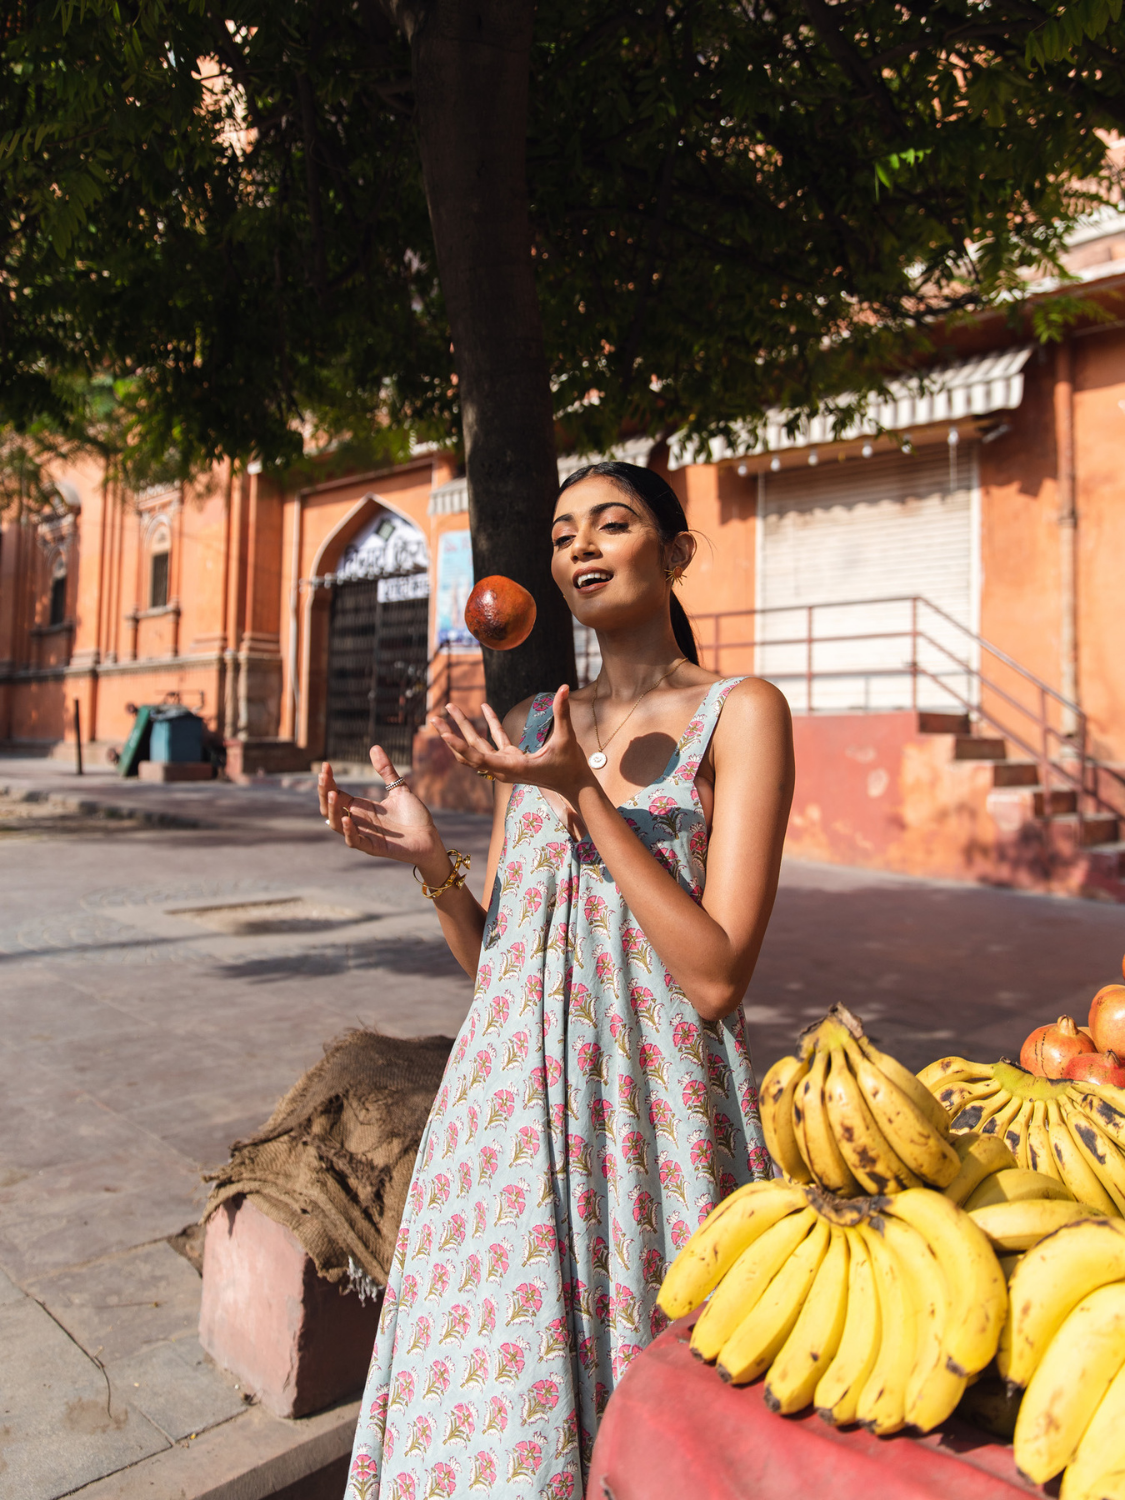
x=162, y=986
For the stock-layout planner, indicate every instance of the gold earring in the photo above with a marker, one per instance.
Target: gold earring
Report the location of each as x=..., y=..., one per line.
x=672, y=575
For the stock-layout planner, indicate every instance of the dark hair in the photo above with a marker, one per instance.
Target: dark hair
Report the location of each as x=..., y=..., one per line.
x=648, y=487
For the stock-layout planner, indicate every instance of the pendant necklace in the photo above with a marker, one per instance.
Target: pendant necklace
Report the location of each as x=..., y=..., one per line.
x=599, y=757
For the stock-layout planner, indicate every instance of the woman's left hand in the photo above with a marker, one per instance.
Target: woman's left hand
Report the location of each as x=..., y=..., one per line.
x=560, y=766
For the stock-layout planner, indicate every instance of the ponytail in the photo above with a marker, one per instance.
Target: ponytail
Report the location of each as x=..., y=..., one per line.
x=658, y=495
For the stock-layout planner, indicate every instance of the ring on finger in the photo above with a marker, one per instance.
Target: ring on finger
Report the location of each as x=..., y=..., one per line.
x=390, y=786
x=488, y=776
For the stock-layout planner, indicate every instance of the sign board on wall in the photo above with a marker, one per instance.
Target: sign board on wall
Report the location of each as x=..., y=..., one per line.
x=454, y=585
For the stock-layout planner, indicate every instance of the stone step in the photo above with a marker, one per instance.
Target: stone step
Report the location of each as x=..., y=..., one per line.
x=938, y=723
x=1095, y=831
x=1060, y=800
x=1015, y=773
x=972, y=747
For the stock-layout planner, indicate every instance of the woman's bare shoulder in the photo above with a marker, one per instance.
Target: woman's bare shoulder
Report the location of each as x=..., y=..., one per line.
x=753, y=706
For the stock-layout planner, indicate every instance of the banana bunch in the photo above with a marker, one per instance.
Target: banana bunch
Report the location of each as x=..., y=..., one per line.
x=852, y=1119
x=1073, y=1132
x=873, y=1309
x=1015, y=1206
x=1064, y=1346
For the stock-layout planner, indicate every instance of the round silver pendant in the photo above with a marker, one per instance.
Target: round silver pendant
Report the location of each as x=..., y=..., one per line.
x=598, y=759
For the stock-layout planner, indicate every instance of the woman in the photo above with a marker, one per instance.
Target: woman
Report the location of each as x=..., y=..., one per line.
x=599, y=1099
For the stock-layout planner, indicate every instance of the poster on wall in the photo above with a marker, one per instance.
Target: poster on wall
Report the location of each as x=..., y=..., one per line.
x=454, y=585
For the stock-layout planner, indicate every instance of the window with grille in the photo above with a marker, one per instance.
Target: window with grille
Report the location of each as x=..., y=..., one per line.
x=158, y=585
x=58, y=598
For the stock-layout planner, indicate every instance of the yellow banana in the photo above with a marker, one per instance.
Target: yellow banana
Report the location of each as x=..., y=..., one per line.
x=882, y=1401
x=1070, y=1382
x=1101, y=1447
x=1039, y=1152
x=1074, y=1169
x=1109, y=1485
x=1052, y=1279
x=872, y=1162
x=980, y=1155
x=775, y=1103
x=745, y=1282
x=727, y=1231
x=904, y=1080
x=1107, y=1109
x=908, y=1131
x=1015, y=1137
x=956, y=1097
x=814, y=1132
x=756, y=1341
x=816, y=1335
x=1103, y=1158
x=978, y=1296
x=1020, y=1226
x=996, y=1121
x=837, y=1392
x=932, y=1389
x=1014, y=1185
x=949, y=1070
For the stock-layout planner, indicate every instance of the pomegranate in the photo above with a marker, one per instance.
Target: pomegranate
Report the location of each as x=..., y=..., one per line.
x=500, y=613
x=1096, y=1067
x=1049, y=1048
x=1107, y=1019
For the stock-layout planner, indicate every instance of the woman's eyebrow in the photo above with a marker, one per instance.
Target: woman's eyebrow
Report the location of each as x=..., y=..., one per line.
x=596, y=510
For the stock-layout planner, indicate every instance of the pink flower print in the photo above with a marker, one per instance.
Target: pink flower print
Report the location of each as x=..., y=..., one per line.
x=557, y=1117
x=566, y=1440
x=599, y=1255
x=456, y=1324
x=645, y=1005
x=551, y=856
x=536, y=1088
x=559, y=1487
x=488, y=1161
x=636, y=947
x=532, y=901
x=362, y=1476
x=554, y=1339
x=661, y=805
x=652, y=1063
x=680, y=1233
x=431, y=1147
x=461, y=1048
x=510, y=876
x=596, y=912
x=588, y=1353
x=480, y=1215
x=498, y=1260
x=403, y=1392
x=620, y=1242
x=652, y=1267
x=622, y=1357
x=482, y=1067
x=513, y=1196
x=439, y=1282
x=724, y=1134
x=703, y=1156
x=470, y=1274
x=697, y=842
x=541, y=1243
x=760, y=1163
x=591, y=1062
x=497, y=1013
x=606, y=970
x=516, y=1050
x=748, y=1098
x=526, y=1146
x=532, y=993
x=718, y=1072
x=657, y=1322
x=476, y=1370
x=390, y=1441
x=403, y=1487
x=576, y=1297
x=695, y=1097
x=554, y=1071
x=415, y=1198
x=672, y=1179
x=497, y=1418
x=408, y=1291
x=484, y=979
x=634, y=1149
x=452, y=1134
x=644, y=1210
x=499, y=927
x=437, y=1381
x=526, y=1301
x=578, y=1150
x=464, y=1179
x=442, y=1484
x=727, y=1184
x=627, y=1095
x=625, y=1307
x=601, y=1117
x=484, y=1472
x=378, y=1411
x=524, y=1460
x=603, y=1305
x=619, y=1031
x=460, y=1425
x=530, y=823
x=510, y=1360
x=487, y=1317
x=425, y=1241
x=662, y=1120
x=583, y=1006
x=421, y=1335
x=540, y=1400
x=421, y=1435
x=686, y=1039
x=589, y=1206
x=440, y=1188
x=609, y=1168
x=513, y=960
x=454, y=1232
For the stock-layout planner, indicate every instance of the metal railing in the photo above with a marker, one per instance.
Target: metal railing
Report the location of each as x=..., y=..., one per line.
x=1049, y=728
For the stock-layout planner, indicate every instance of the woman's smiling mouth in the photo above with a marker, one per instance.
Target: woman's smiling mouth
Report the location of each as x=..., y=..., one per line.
x=590, y=579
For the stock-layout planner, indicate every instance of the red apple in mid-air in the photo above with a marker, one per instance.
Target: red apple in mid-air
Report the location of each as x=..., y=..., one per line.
x=500, y=613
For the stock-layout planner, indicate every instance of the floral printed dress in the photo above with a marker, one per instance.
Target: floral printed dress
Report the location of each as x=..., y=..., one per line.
x=587, y=1122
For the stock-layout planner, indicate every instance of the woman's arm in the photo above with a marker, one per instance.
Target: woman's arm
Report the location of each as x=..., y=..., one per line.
x=710, y=950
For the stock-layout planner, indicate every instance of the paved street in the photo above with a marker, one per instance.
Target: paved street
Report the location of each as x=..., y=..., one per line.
x=161, y=986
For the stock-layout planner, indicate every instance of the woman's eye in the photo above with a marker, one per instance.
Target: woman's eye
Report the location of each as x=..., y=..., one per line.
x=616, y=526
x=563, y=541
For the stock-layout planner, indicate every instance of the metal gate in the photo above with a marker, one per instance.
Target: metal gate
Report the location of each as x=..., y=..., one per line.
x=377, y=657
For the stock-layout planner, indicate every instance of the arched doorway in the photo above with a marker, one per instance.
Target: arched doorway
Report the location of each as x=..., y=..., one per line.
x=378, y=642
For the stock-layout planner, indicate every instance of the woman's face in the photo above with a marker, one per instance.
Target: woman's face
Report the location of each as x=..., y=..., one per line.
x=607, y=555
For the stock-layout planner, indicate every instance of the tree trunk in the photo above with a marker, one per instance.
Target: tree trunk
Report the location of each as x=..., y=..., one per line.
x=471, y=62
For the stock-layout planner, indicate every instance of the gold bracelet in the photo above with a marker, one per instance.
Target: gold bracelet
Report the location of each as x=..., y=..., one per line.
x=453, y=881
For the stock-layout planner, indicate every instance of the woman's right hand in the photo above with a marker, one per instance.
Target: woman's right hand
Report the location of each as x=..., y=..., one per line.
x=400, y=827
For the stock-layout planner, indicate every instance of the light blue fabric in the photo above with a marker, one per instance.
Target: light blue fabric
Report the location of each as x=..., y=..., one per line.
x=587, y=1122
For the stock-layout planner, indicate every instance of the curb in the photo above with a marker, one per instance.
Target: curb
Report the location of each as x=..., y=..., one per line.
x=89, y=808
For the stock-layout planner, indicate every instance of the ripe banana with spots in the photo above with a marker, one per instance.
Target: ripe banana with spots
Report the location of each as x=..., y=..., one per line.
x=1011, y=1227
x=775, y=1104
x=816, y=1335
x=756, y=1341
x=746, y=1282
x=1052, y=1279
x=1015, y=1185
x=1101, y=1449
x=979, y=1157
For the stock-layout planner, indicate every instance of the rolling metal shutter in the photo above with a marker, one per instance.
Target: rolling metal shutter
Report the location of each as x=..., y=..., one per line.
x=840, y=536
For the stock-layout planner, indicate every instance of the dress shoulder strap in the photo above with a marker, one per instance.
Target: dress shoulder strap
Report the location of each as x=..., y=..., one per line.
x=538, y=723
x=697, y=736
